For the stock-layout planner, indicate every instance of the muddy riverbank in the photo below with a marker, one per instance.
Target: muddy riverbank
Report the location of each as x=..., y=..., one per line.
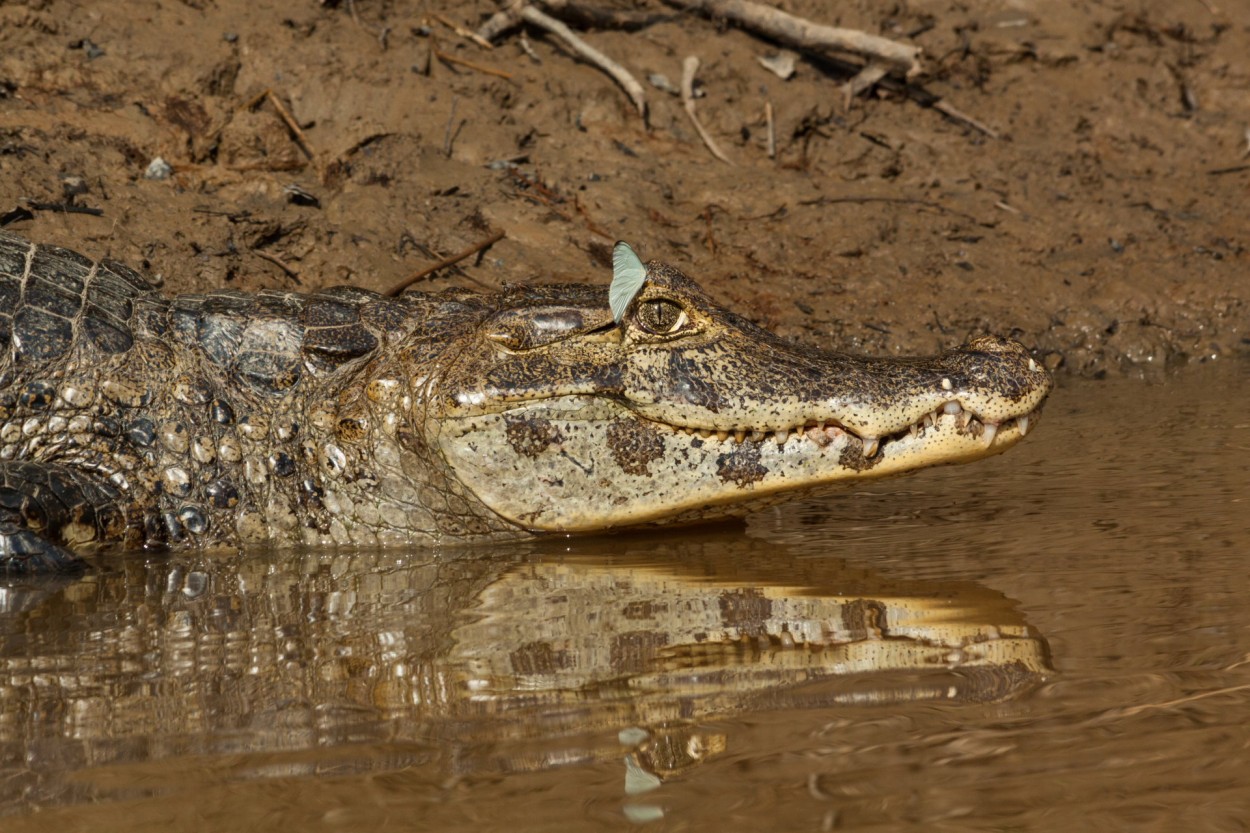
x=1104, y=224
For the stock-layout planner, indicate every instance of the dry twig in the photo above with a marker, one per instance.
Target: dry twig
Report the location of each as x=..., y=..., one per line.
x=867, y=77
x=501, y=21
x=688, y=68
x=445, y=262
x=579, y=14
x=449, y=133
x=948, y=110
x=584, y=50
x=803, y=34
x=771, y=123
x=284, y=114
x=452, y=59
x=281, y=264
x=1179, y=701
x=463, y=32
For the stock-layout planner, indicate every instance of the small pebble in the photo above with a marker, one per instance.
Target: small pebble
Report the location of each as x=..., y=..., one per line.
x=158, y=168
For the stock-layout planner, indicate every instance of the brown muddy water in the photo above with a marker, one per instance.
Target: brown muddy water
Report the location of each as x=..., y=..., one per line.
x=1057, y=638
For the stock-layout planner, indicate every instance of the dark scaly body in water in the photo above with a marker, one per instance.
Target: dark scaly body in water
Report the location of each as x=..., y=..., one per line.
x=347, y=417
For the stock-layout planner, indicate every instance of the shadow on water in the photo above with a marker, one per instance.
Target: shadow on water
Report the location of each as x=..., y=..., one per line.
x=193, y=670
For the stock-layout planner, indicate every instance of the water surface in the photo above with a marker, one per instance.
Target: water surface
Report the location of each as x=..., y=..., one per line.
x=1052, y=639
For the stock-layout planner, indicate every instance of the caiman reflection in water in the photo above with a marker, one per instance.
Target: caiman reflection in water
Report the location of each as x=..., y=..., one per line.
x=120, y=684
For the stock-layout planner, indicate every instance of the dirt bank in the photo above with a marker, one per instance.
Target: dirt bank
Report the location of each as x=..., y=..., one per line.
x=1106, y=224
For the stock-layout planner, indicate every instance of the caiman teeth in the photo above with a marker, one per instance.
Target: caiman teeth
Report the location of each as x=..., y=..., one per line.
x=831, y=430
x=989, y=430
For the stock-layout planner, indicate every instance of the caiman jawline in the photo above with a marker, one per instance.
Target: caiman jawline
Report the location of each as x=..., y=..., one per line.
x=823, y=432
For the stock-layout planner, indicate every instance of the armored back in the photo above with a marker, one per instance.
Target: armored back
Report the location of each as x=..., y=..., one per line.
x=54, y=302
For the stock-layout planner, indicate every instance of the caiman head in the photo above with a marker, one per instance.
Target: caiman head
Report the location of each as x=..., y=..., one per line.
x=560, y=417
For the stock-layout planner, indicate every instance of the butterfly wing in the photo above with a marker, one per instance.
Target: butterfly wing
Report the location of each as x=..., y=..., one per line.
x=628, y=275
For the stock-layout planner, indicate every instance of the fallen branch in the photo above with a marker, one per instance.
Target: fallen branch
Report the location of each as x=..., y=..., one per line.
x=688, y=68
x=594, y=17
x=578, y=14
x=803, y=34
x=444, y=263
x=584, y=50
x=500, y=22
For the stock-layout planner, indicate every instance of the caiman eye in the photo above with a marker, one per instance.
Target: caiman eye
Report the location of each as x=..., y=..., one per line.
x=662, y=317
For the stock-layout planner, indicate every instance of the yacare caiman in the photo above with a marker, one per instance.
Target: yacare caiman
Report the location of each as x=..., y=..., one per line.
x=344, y=417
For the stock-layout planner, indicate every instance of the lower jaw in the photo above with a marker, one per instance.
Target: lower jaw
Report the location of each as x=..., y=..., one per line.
x=731, y=479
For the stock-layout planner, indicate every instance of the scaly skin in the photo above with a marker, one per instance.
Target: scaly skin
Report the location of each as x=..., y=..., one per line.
x=346, y=417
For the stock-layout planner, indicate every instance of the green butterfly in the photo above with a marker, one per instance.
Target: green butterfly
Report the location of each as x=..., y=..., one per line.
x=628, y=275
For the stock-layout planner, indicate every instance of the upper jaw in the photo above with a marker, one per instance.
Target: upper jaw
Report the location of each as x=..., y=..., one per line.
x=823, y=432
x=985, y=384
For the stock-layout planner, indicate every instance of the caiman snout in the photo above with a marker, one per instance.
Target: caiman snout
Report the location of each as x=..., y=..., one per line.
x=995, y=378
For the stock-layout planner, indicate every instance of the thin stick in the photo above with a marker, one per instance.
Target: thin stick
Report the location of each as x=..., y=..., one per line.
x=448, y=133
x=591, y=225
x=803, y=34
x=291, y=124
x=869, y=75
x=463, y=32
x=444, y=263
x=688, y=68
x=501, y=21
x=548, y=196
x=1180, y=701
x=65, y=208
x=276, y=261
x=564, y=34
x=772, y=130
x=283, y=113
x=895, y=200
x=452, y=59
x=948, y=110
x=257, y=99
x=527, y=49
